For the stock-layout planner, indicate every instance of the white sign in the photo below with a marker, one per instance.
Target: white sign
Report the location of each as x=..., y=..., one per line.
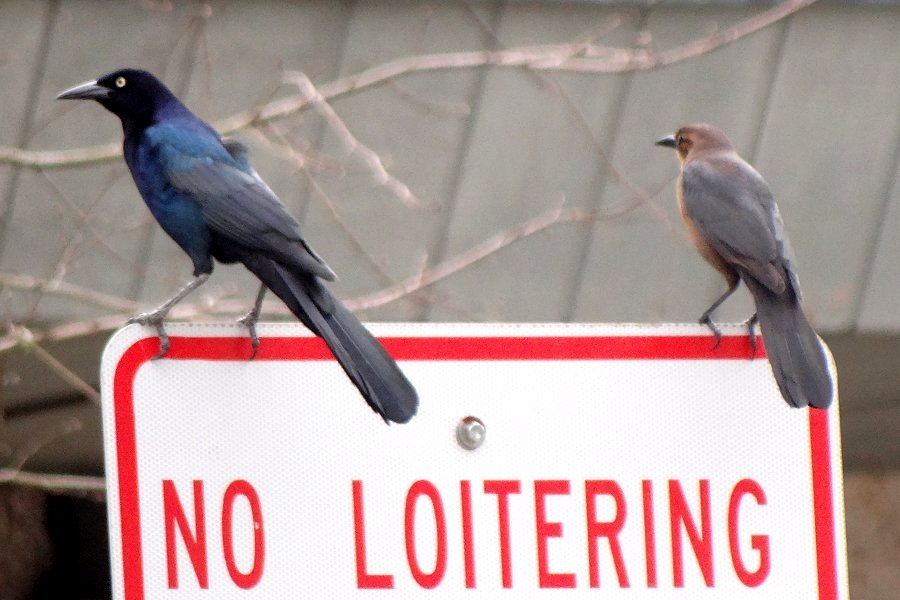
x=630, y=462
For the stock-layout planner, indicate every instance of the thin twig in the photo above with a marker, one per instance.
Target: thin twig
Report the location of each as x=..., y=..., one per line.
x=548, y=80
x=26, y=339
x=60, y=483
x=465, y=259
x=66, y=331
x=68, y=290
x=35, y=443
x=411, y=285
x=350, y=143
x=560, y=57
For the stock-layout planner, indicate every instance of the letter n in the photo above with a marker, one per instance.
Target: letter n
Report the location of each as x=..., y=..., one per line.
x=195, y=544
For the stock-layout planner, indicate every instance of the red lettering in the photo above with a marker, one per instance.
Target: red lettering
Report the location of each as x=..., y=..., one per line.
x=364, y=580
x=465, y=500
x=680, y=517
x=416, y=490
x=251, y=578
x=173, y=514
x=649, y=532
x=760, y=543
x=546, y=529
x=606, y=514
x=503, y=488
x=607, y=529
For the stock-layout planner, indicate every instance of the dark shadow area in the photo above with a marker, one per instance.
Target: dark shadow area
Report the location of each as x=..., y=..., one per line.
x=80, y=569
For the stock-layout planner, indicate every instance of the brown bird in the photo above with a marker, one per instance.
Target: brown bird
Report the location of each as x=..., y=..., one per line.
x=733, y=221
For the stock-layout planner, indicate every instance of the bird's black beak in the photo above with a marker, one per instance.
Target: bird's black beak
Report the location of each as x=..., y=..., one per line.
x=668, y=141
x=86, y=91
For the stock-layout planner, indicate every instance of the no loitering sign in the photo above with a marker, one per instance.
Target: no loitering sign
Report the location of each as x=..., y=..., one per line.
x=627, y=462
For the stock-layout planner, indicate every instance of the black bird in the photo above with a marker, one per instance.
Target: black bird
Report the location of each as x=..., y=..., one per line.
x=207, y=197
x=734, y=223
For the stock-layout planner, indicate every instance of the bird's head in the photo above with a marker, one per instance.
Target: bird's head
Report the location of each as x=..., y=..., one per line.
x=130, y=94
x=695, y=137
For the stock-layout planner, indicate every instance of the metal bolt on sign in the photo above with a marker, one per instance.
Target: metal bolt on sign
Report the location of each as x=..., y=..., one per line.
x=470, y=433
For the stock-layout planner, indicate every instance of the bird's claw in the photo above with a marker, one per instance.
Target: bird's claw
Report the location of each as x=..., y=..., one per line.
x=751, y=331
x=707, y=320
x=249, y=321
x=154, y=319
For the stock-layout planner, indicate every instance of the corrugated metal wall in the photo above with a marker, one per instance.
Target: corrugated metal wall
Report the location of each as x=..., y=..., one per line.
x=808, y=99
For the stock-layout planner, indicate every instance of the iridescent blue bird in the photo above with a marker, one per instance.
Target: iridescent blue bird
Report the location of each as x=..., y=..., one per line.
x=206, y=196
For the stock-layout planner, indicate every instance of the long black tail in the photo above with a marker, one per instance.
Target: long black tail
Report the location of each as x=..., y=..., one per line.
x=797, y=357
x=363, y=358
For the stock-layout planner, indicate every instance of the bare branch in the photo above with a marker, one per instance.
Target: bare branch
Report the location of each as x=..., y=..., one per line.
x=465, y=259
x=578, y=57
x=58, y=483
x=57, y=287
x=26, y=339
x=620, y=61
x=351, y=145
x=50, y=159
x=66, y=331
x=412, y=285
x=34, y=444
x=548, y=80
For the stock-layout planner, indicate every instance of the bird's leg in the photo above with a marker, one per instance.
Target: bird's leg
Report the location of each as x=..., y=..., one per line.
x=155, y=317
x=251, y=318
x=751, y=331
x=706, y=317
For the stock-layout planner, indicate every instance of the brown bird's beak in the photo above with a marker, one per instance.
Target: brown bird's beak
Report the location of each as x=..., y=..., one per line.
x=668, y=141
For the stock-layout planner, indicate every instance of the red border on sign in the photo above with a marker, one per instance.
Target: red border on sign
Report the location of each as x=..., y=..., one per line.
x=447, y=348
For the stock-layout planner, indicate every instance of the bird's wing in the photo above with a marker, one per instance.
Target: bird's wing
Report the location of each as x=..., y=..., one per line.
x=786, y=250
x=234, y=200
x=733, y=208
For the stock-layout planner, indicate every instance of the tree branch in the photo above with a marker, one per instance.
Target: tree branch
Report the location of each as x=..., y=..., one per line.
x=577, y=57
x=58, y=287
x=351, y=145
x=26, y=339
x=59, y=483
x=411, y=285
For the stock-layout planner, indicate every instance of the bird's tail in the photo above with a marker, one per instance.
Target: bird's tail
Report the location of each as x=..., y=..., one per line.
x=368, y=365
x=796, y=355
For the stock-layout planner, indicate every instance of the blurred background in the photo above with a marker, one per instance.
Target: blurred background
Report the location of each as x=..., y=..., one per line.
x=452, y=161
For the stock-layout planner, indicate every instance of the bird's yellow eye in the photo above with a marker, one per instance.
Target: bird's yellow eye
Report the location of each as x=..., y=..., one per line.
x=120, y=82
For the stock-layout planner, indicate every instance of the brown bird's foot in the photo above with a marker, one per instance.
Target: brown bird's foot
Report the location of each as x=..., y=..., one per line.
x=707, y=320
x=249, y=321
x=751, y=331
x=155, y=319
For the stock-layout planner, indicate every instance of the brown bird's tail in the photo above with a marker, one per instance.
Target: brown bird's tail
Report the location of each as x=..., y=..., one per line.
x=796, y=355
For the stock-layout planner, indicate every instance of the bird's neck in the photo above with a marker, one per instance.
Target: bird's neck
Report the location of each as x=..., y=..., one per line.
x=133, y=129
x=134, y=125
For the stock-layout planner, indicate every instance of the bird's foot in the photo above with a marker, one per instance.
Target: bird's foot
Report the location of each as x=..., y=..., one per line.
x=249, y=321
x=155, y=319
x=707, y=320
x=751, y=331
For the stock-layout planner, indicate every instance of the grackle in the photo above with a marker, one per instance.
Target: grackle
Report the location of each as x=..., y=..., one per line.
x=207, y=197
x=733, y=221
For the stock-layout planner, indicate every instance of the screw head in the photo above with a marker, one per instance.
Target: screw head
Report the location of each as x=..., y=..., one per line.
x=470, y=433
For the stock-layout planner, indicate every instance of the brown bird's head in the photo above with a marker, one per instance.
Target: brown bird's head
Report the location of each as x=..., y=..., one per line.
x=695, y=138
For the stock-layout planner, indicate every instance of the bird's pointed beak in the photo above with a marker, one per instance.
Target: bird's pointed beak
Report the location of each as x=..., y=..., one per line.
x=668, y=141
x=86, y=91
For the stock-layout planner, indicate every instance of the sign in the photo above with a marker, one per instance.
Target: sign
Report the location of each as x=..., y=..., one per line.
x=628, y=462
